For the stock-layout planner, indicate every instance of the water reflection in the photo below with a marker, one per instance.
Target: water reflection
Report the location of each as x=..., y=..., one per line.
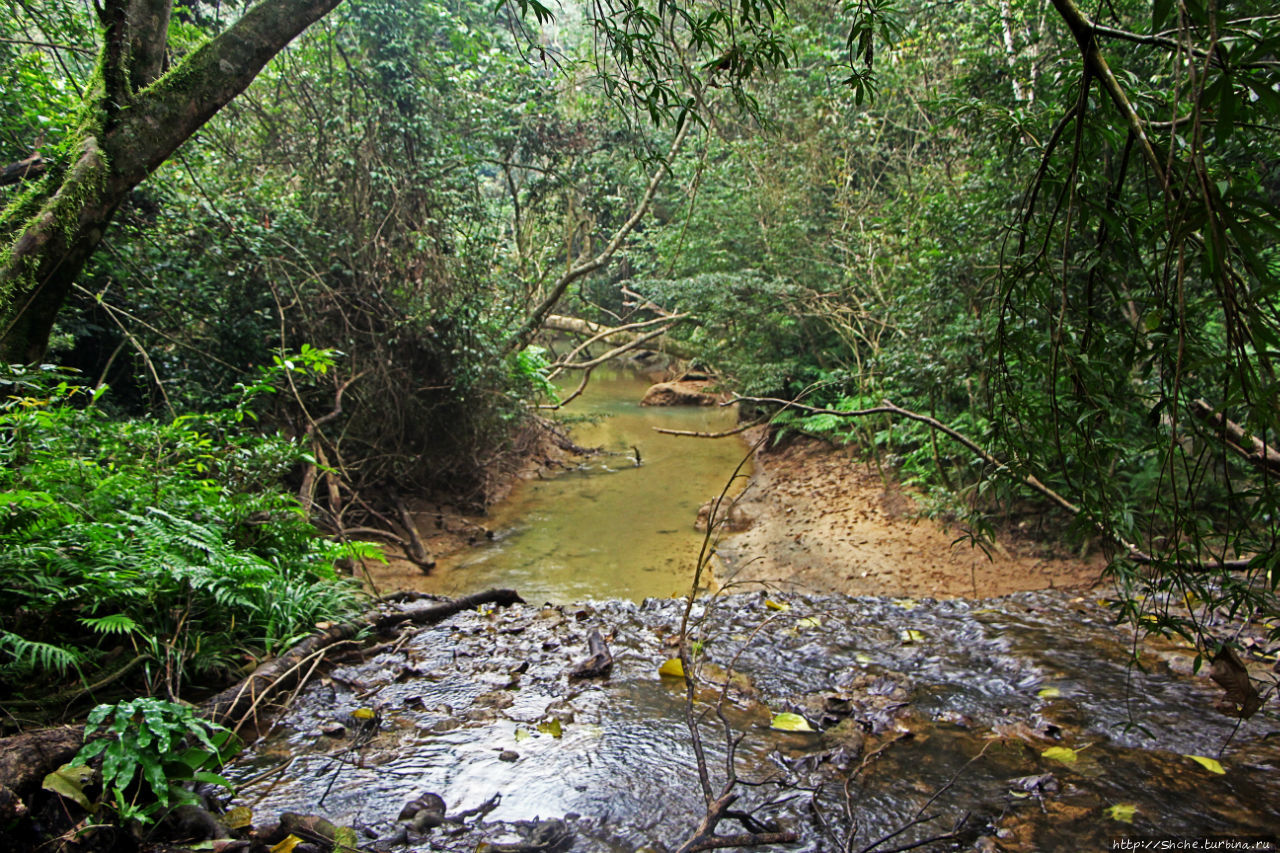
x=611, y=529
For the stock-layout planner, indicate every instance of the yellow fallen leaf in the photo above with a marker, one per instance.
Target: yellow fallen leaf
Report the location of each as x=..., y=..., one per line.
x=911, y=635
x=673, y=668
x=69, y=781
x=809, y=622
x=775, y=605
x=788, y=722
x=1210, y=764
x=364, y=713
x=286, y=846
x=906, y=603
x=1122, y=812
x=551, y=727
x=862, y=658
x=522, y=735
x=1049, y=693
x=1065, y=754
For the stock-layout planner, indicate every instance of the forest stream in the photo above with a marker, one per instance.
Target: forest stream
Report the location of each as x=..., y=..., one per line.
x=1016, y=723
x=608, y=527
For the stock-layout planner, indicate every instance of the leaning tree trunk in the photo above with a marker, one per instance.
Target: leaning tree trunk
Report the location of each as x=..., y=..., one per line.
x=132, y=119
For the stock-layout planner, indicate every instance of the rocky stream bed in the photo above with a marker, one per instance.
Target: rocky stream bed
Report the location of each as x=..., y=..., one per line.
x=1017, y=723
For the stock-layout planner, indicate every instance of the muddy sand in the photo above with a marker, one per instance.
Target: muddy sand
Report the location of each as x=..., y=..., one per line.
x=822, y=520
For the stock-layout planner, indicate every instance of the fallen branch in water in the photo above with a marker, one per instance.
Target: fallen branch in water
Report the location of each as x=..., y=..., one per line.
x=705, y=837
x=233, y=705
x=688, y=433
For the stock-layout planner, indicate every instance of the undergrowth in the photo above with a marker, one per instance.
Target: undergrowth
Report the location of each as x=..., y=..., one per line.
x=147, y=553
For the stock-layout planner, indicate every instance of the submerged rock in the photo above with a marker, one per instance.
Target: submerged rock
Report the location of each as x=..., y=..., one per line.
x=729, y=516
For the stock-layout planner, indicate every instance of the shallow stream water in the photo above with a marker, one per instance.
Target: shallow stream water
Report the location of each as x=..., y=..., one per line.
x=947, y=710
x=610, y=528
x=974, y=692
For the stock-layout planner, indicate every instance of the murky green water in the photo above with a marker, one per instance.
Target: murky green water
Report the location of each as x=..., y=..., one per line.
x=611, y=529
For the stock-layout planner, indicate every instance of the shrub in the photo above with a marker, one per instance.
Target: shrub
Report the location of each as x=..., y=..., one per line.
x=165, y=545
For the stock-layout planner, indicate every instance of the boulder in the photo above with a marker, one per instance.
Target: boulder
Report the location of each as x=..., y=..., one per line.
x=730, y=518
x=682, y=392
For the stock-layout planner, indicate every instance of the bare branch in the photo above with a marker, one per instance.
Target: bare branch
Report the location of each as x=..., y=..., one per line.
x=738, y=430
x=1252, y=449
x=520, y=339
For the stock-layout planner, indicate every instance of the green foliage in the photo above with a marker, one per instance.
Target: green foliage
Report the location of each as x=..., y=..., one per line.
x=989, y=244
x=166, y=540
x=529, y=373
x=157, y=746
x=987, y=240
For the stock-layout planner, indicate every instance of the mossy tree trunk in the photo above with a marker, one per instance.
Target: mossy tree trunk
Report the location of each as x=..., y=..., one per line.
x=134, y=115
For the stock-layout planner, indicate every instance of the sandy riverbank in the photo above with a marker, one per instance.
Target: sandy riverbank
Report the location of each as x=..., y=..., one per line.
x=824, y=521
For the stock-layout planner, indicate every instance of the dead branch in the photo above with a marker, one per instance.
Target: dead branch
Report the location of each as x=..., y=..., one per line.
x=1250, y=448
x=597, y=332
x=229, y=706
x=23, y=170
x=575, y=394
x=393, y=538
x=638, y=343
x=520, y=339
x=313, y=432
x=644, y=303
x=705, y=837
x=741, y=428
x=416, y=550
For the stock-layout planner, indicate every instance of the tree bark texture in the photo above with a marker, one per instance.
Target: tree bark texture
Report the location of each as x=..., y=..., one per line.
x=136, y=117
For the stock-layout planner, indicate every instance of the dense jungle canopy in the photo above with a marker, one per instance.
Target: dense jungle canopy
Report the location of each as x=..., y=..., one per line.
x=309, y=246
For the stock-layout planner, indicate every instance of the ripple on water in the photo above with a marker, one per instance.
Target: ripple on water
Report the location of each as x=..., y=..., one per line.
x=950, y=675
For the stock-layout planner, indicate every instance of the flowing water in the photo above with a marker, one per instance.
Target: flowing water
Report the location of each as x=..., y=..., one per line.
x=948, y=710
x=610, y=528
x=975, y=692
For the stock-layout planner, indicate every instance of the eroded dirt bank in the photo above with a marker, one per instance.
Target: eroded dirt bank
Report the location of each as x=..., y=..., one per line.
x=822, y=521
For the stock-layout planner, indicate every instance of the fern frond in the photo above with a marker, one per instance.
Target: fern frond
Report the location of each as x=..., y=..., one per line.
x=29, y=654
x=112, y=623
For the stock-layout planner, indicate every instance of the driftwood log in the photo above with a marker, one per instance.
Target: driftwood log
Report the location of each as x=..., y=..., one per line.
x=232, y=705
x=25, y=759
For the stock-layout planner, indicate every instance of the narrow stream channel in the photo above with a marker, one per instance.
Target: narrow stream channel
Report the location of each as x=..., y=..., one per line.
x=611, y=528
